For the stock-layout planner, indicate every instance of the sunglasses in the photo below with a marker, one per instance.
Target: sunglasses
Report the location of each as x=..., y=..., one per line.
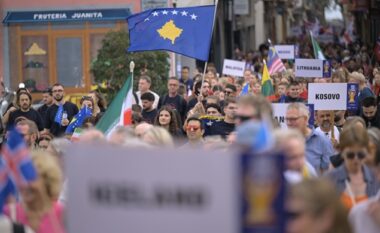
x=192, y=128
x=360, y=155
x=293, y=215
x=243, y=118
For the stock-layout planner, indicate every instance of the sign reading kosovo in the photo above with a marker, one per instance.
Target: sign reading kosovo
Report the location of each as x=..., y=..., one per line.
x=186, y=31
x=328, y=96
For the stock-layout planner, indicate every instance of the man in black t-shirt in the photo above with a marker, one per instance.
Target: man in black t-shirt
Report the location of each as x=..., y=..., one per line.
x=148, y=113
x=225, y=127
x=174, y=100
x=69, y=111
x=24, y=100
x=47, y=99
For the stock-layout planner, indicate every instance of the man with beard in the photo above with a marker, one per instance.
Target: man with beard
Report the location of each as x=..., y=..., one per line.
x=325, y=126
x=369, y=112
x=48, y=100
x=68, y=112
x=24, y=100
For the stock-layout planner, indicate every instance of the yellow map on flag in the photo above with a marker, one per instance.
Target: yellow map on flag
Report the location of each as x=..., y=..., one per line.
x=170, y=31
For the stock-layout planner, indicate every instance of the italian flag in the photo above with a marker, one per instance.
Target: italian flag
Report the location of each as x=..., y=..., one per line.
x=317, y=50
x=266, y=83
x=119, y=113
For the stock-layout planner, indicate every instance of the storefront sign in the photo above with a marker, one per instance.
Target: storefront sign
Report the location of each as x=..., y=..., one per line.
x=234, y=68
x=312, y=68
x=285, y=51
x=328, y=96
x=69, y=15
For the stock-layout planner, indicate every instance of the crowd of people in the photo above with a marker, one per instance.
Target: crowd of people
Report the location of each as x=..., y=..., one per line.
x=333, y=166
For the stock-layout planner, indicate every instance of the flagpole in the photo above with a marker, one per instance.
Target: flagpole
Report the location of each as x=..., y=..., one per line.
x=213, y=24
x=131, y=69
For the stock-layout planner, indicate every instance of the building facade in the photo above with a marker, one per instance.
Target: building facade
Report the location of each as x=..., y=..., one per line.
x=47, y=41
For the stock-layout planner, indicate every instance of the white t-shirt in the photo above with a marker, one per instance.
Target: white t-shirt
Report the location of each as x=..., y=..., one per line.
x=359, y=218
x=336, y=133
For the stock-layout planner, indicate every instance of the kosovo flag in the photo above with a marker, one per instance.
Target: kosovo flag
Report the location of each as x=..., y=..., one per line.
x=186, y=31
x=78, y=119
x=59, y=115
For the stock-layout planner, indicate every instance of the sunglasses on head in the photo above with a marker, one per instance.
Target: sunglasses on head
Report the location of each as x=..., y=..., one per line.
x=360, y=155
x=192, y=128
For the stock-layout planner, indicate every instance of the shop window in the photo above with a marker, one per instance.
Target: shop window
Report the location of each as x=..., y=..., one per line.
x=35, y=62
x=69, y=59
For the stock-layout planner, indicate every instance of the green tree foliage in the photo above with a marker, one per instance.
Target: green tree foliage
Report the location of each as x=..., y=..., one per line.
x=112, y=65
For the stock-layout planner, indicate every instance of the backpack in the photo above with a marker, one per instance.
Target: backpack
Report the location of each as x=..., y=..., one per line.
x=18, y=228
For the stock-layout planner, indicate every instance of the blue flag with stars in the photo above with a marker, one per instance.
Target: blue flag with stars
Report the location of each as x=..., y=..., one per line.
x=186, y=31
x=78, y=119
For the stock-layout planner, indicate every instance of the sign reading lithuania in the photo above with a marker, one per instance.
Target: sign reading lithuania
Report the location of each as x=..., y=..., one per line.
x=67, y=15
x=312, y=68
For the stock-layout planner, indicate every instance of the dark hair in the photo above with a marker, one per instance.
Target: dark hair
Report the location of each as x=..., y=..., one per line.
x=293, y=83
x=173, y=124
x=102, y=103
x=193, y=118
x=22, y=90
x=88, y=98
x=217, y=88
x=57, y=85
x=229, y=100
x=185, y=68
x=198, y=85
x=369, y=101
x=48, y=91
x=24, y=93
x=231, y=86
x=147, y=96
x=216, y=106
x=136, y=108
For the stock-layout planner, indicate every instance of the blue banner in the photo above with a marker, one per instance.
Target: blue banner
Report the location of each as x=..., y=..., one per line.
x=311, y=117
x=326, y=69
x=263, y=193
x=352, y=96
x=66, y=15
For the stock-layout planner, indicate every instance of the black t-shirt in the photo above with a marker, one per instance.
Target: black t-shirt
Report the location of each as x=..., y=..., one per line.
x=32, y=115
x=149, y=116
x=176, y=102
x=221, y=128
x=55, y=128
x=42, y=111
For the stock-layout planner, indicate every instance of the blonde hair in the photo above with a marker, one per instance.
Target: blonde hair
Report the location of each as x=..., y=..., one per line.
x=357, y=76
x=319, y=196
x=158, y=136
x=49, y=171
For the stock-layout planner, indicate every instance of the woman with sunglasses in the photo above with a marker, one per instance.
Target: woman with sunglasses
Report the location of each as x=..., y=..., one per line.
x=354, y=180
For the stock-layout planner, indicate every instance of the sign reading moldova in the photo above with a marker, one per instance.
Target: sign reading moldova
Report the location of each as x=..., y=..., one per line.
x=312, y=68
x=285, y=51
x=328, y=96
x=234, y=68
x=185, y=31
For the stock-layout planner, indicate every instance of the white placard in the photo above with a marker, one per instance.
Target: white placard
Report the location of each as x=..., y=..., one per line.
x=279, y=113
x=241, y=7
x=140, y=191
x=285, y=51
x=328, y=96
x=309, y=68
x=234, y=68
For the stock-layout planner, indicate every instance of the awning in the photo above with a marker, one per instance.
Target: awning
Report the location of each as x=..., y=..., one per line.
x=66, y=15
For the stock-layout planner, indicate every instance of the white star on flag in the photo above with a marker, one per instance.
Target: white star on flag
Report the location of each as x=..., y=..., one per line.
x=184, y=13
x=147, y=19
x=165, y=12
x=194, y=17
x=155, y=13
x=174, y=12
